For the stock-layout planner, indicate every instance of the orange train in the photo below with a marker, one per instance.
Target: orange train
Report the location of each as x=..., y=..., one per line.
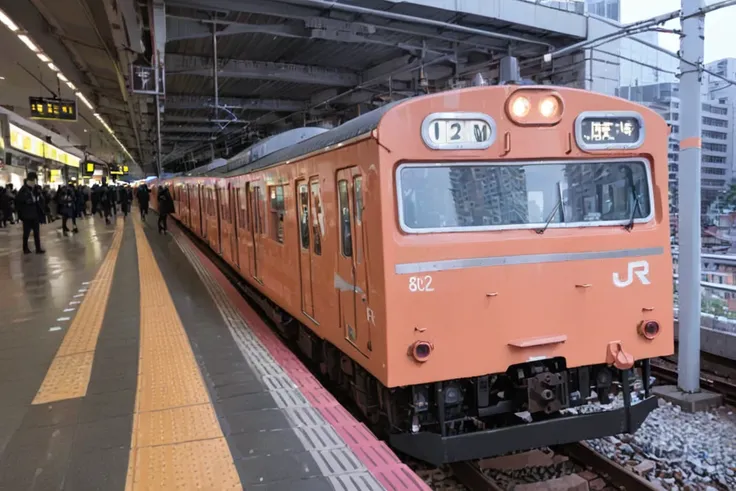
x=468, y=265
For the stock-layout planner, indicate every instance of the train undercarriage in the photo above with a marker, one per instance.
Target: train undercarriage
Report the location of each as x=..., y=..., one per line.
x=457, y=420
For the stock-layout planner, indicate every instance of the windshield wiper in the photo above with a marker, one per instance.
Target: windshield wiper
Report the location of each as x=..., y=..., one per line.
x=551, y=216
x=637, y=205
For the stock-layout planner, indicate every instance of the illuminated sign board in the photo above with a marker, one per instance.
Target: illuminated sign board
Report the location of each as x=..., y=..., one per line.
x=89, y=167
x=56, y=109
x=609, y=130
x=458, y=131
x=33, y=145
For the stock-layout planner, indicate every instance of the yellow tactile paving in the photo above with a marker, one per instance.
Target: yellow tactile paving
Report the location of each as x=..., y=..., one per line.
x=177, y=442
x=177, y=425
x=69, y=373
x=204, y=464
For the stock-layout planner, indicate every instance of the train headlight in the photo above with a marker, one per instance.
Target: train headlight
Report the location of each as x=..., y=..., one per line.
x=549, y=107
x=535, y=107
x=520, y=107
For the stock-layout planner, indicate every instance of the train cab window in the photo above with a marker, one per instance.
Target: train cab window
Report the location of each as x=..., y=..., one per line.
x=277, y=213
x=488, y=196
x=304, y=216
x=318, y=224
x=346, y=239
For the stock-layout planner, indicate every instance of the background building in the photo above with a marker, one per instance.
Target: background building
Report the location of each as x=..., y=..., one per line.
x=717, y=137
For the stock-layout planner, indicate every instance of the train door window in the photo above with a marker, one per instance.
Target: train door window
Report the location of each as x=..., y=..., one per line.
x=358, y=203
x=258, y=204
x=304, y=216
x=346, y=239
x=277, y=213
x=318, y=224
x=224, y=206
x=242, y=215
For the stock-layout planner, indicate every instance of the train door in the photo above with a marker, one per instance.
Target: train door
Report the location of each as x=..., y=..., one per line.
x=234, y=211
x=254, y=192
x=352, y=280
x=305, y=250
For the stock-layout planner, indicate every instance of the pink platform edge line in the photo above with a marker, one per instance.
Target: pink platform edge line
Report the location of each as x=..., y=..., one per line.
x=374, y=454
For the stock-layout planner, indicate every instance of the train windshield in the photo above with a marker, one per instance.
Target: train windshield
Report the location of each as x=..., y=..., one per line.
x=464, y=197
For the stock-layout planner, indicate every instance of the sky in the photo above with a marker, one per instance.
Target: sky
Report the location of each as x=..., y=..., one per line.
x=720, y=40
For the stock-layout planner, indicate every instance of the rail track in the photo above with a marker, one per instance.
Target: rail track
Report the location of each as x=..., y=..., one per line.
x=716, y=374
x=571, y=466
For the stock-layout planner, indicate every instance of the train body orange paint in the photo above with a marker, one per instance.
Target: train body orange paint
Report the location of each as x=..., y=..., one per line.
x=412, y=266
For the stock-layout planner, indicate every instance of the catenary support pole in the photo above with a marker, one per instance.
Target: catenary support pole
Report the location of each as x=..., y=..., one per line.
x=692, y=46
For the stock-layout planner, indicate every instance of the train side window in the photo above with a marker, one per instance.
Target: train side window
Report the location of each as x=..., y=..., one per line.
x=358, y=191
x=304, y=216
x=317, y=218
x=223, y=205
x=346, y=239
x=277, y=213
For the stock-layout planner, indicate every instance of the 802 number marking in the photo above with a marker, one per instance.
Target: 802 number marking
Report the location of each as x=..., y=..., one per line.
x=420, y=284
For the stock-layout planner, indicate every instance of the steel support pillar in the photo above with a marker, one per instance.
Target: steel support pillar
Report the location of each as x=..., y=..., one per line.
x=158, y=34
x=692, y=45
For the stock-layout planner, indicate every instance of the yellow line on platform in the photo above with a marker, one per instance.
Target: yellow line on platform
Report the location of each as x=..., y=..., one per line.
x=69, y=373
x=177, y=442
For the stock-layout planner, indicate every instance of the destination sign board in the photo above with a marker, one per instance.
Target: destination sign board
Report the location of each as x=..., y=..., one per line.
x=54, y=109
x=609, y=130
x=458, y=131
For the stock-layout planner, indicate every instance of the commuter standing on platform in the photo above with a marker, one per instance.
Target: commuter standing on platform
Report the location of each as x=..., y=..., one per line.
x=95, y=198
x=124, y=200
x=67, y=205
x=104, y=201
x=6, y=208
x=165, y=206
x=28, y=204
x=143, y=198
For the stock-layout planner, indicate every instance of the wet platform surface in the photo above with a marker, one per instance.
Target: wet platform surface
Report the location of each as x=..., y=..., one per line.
x=127, y=361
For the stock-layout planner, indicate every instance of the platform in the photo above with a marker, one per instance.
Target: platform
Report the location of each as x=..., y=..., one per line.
x=129, y=362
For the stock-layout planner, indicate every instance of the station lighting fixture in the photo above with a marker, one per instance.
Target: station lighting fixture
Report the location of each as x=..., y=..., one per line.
x=44, y=58
x=8, y=23
x=27, y=41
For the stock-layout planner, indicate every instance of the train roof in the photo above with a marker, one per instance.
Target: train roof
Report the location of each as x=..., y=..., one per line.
x=353, y=128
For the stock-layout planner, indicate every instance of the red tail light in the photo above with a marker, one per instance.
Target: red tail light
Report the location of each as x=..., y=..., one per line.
x=421, y=350
x=649, y=329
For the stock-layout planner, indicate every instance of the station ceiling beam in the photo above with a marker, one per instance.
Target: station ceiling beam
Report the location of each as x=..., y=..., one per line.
x=260, y=70
x=168, y=119
x=249, y=104
x=190, y=129
x=182, y=28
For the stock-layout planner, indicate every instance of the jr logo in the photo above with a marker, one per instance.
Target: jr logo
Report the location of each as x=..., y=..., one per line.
x=640, y=269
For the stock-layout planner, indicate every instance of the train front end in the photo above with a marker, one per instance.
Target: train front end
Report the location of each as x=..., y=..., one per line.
x=528, y=268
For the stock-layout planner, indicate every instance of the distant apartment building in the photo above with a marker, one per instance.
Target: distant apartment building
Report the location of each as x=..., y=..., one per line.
x=717, y=137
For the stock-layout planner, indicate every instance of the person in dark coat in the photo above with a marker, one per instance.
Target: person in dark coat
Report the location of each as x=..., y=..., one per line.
x=6, y=208
x=143, y=198
x=28, y=205
x=95, y=198
x=79, y=202
x=165, y=207
x=66, y=197
x=105, y=203
x=124, y=200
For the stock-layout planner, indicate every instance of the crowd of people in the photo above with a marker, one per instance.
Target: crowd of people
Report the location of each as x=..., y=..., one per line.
x=34, y=205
